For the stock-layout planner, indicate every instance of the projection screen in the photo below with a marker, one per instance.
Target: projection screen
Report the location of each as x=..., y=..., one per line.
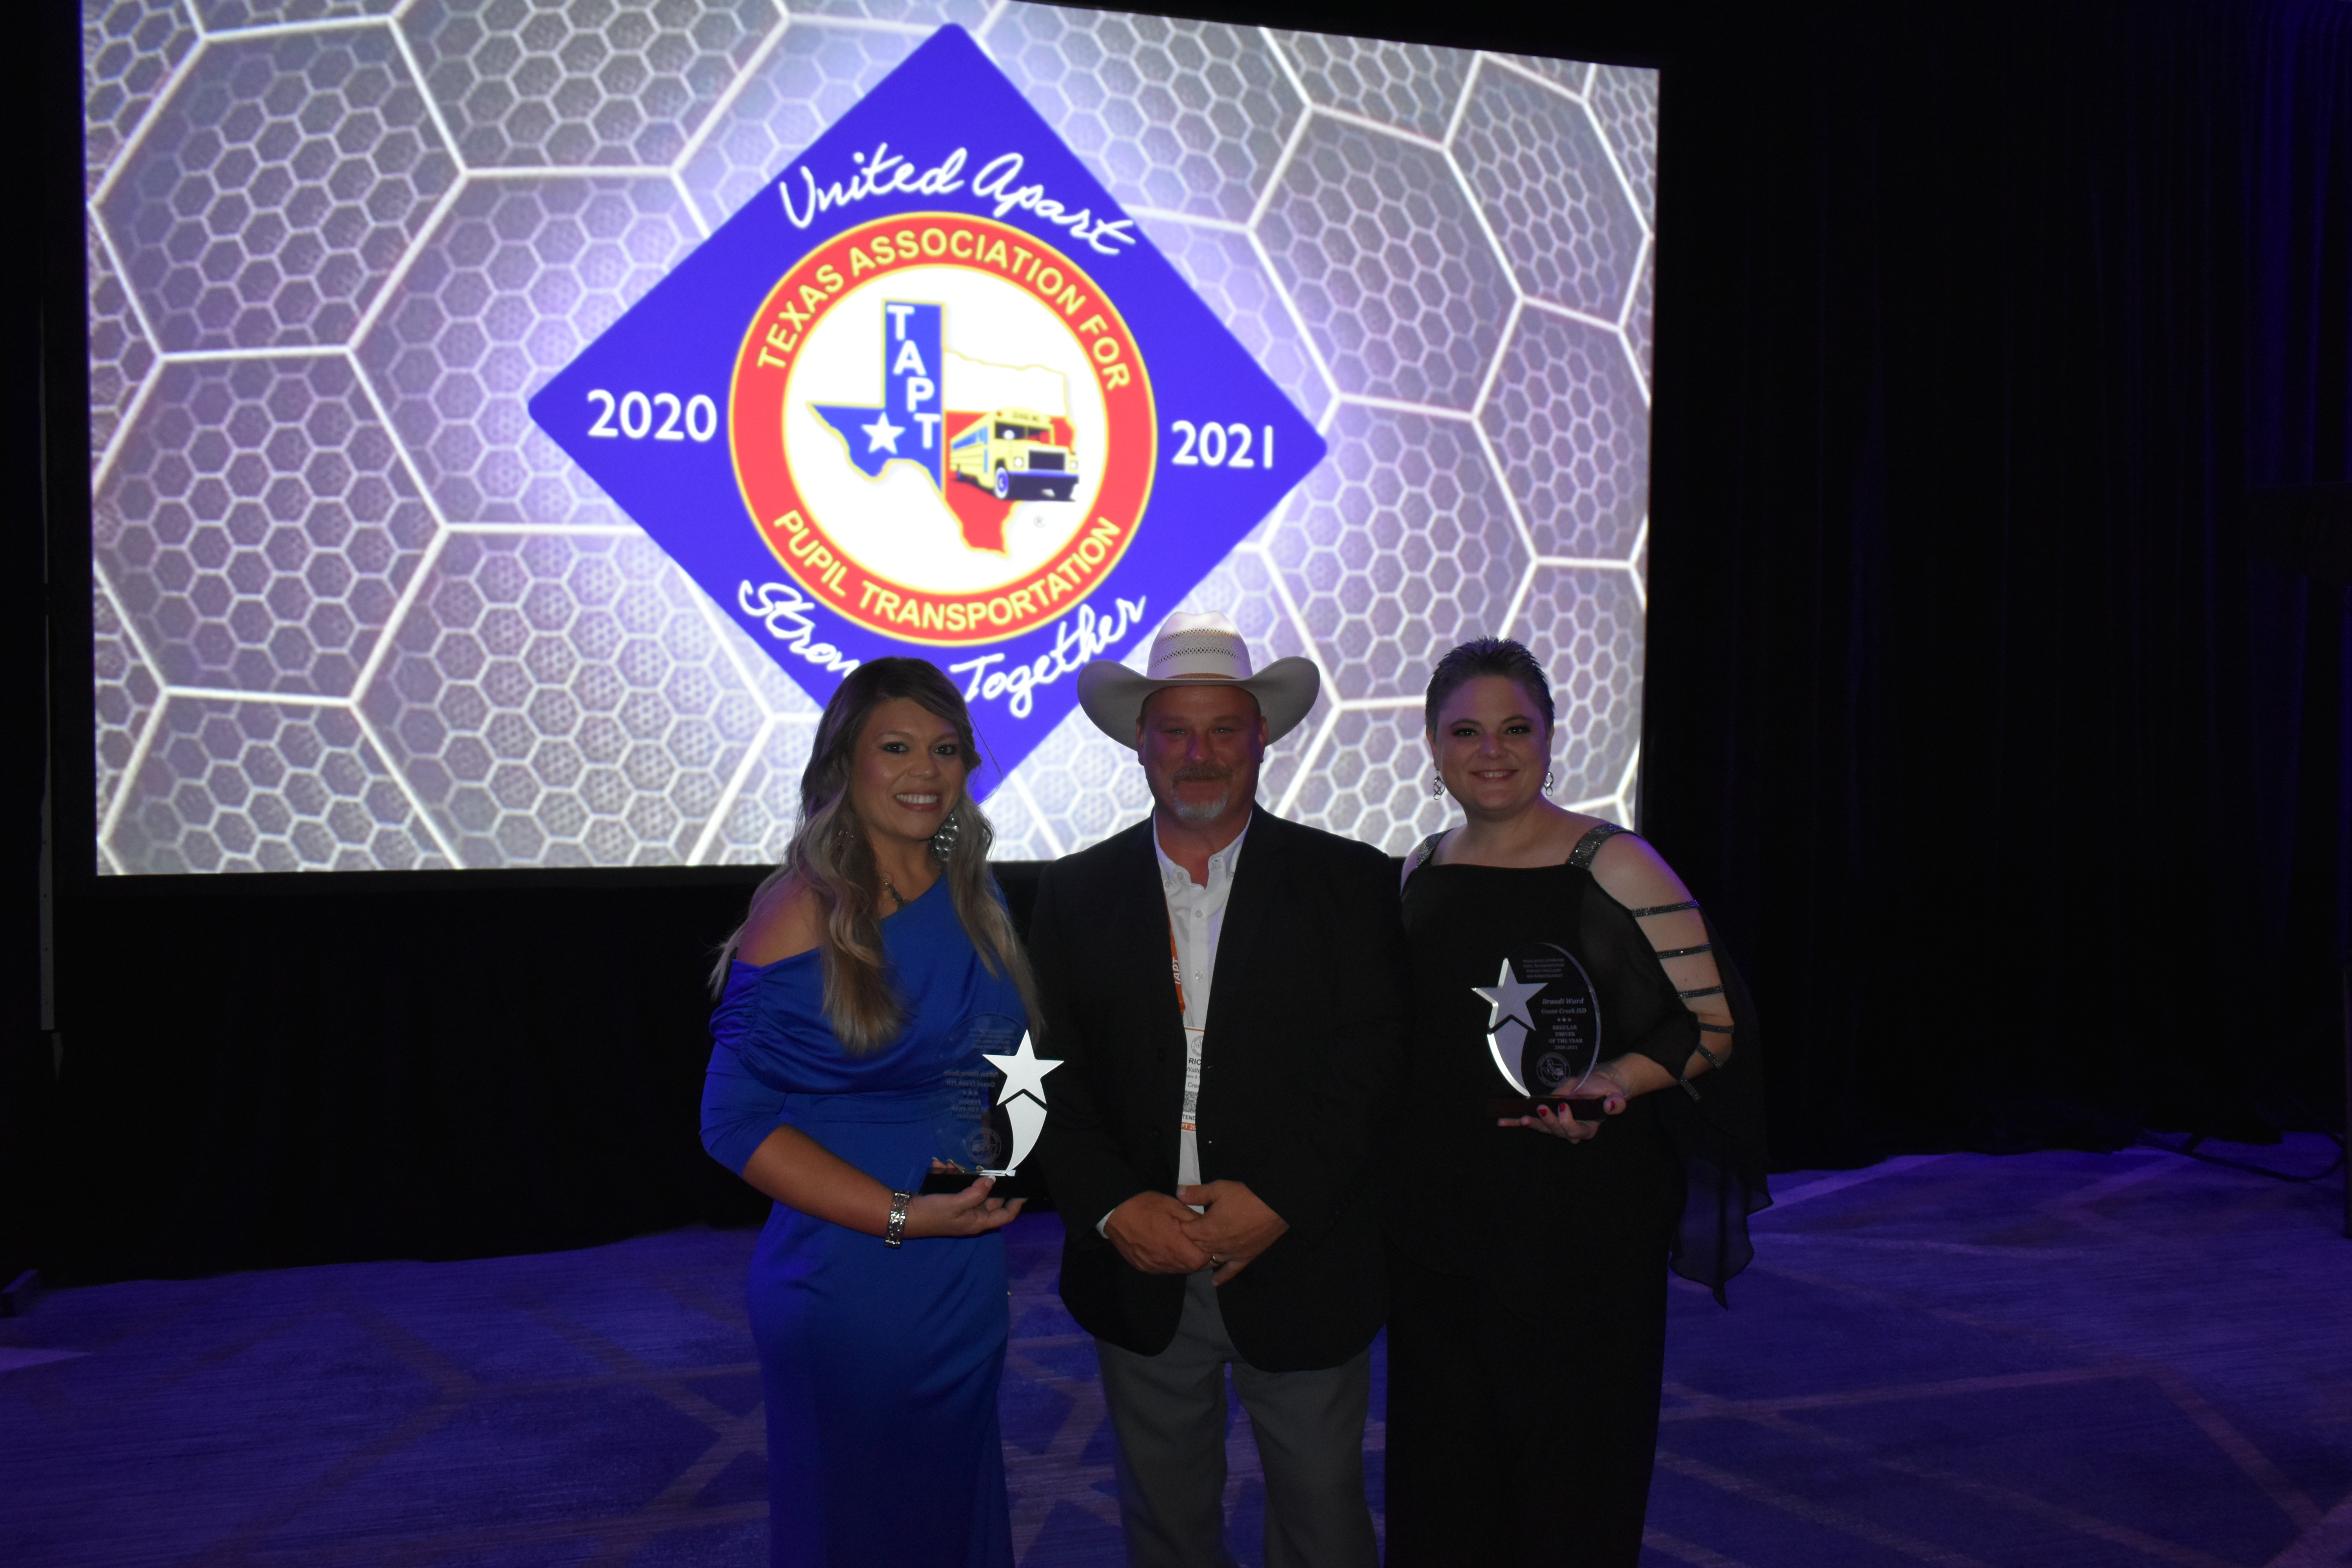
x=472, y=488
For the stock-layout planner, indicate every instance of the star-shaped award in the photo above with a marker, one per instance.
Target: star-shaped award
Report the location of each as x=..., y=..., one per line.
x=1024, y=1072
x=1508, y=997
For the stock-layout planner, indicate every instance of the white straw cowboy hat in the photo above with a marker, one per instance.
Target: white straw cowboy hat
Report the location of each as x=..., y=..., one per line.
x=1197, y=650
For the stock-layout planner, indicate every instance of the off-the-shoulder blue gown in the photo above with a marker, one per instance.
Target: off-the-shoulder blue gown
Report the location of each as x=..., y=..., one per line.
x=881, y=1364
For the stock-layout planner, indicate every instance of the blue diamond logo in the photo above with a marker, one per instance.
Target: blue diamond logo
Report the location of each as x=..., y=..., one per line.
x=932, y=392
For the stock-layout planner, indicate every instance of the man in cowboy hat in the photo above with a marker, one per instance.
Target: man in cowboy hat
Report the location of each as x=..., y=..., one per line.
x=1224, y=989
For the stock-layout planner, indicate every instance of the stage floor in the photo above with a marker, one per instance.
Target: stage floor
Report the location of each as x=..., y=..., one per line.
x=2070, y=1360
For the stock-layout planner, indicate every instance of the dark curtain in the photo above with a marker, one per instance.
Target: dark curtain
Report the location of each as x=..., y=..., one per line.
x=2019, y=780
x=270, y=1072
x=41, y=348
x=319, y=1068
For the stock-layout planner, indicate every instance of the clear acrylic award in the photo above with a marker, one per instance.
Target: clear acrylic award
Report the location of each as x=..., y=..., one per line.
x=992, y=1109
x=1543, y=1029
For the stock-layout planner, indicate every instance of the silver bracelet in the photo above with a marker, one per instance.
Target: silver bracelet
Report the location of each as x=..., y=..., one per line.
x=897, y=1234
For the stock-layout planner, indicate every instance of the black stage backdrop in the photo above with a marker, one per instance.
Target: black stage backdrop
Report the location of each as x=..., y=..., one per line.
x=2020, y=785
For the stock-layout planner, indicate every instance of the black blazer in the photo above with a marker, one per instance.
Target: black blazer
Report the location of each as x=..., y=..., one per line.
x=1303, y=1042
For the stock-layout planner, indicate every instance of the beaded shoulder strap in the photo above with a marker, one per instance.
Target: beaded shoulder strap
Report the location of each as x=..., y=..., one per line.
x=1590, y=845
x=1419, y=857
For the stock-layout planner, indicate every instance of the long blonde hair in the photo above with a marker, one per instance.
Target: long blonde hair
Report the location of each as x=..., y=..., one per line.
x=830, y=856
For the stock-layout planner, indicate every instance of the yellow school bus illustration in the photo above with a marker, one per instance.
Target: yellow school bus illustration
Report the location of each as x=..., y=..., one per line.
x=1013, y=454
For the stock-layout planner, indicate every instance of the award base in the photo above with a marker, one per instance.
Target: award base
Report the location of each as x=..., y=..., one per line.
x=1009, y=1183
x=1582, y=1110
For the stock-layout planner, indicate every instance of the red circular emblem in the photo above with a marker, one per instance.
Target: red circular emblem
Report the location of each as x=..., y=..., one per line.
x=942, y=428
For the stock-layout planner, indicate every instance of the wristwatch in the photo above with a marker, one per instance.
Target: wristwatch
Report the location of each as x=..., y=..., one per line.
x=897, y=1234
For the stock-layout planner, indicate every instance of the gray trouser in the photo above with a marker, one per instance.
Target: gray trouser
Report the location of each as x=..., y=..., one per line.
x=1170, y=1412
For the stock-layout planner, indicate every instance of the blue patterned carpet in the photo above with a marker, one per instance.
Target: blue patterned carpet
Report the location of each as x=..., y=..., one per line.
x=2070, y=1360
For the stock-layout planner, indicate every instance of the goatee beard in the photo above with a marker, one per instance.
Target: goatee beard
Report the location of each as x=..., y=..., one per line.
x=1198, y=811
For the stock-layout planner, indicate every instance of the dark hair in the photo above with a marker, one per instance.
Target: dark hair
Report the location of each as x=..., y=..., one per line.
x=831, y=857
x=1485, y=655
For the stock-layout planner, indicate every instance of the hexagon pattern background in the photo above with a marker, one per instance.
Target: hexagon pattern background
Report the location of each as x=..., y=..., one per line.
x=354, y=611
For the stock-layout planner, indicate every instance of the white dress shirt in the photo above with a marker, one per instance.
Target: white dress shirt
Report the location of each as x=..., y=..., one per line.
x=1196, y=918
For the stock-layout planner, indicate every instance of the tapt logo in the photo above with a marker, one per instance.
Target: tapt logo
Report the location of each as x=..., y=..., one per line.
x=949, y=435
x=933, y=392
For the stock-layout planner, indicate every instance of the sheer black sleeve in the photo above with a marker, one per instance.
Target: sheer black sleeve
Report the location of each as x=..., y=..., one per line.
x=1715, y=1047
x=1720, y=1139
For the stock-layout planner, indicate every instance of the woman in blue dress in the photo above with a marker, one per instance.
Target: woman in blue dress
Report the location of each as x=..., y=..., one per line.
x=850, y=994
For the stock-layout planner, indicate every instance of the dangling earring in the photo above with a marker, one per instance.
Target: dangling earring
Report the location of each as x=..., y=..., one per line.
x=1438, y=786
x=943, y=842
x=1546, y=781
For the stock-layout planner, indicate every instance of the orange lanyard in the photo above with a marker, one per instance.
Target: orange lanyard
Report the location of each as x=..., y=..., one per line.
x=1191, y=1036
x=1175, y=964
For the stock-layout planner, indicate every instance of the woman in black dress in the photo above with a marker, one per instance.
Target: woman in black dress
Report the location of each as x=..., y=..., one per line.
x=1528, y=1256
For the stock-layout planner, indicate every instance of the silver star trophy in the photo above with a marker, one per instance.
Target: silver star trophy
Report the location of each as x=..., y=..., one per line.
x=1543, y=1029
x=992, y=1110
